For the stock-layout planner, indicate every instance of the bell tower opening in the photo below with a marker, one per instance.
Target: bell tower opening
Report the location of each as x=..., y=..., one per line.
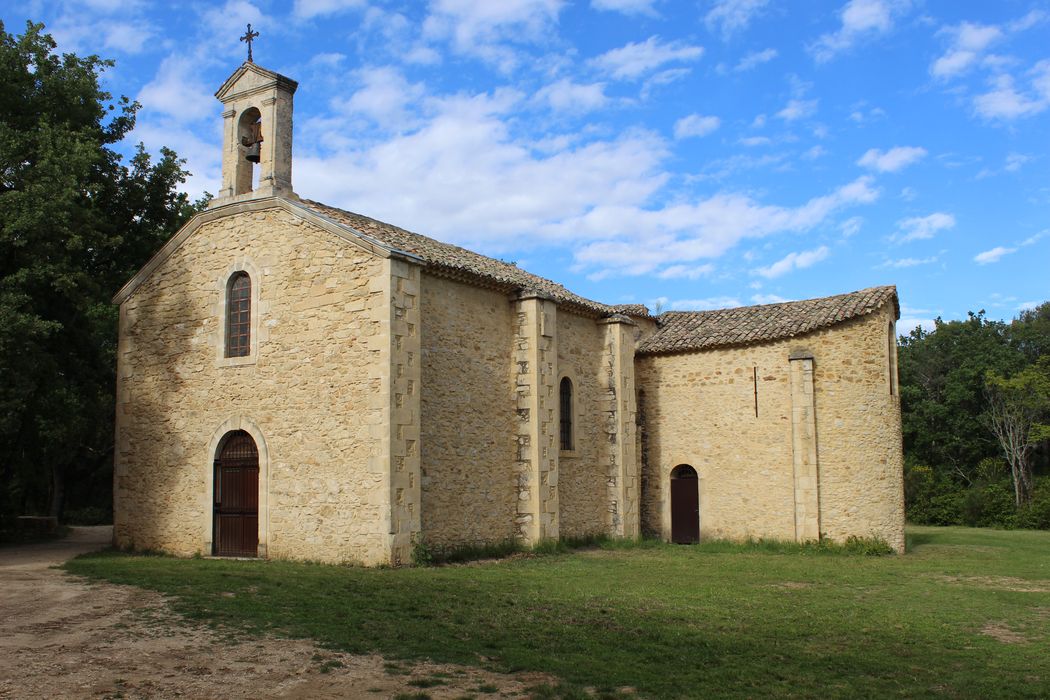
x=257, y=135
x=250, y=137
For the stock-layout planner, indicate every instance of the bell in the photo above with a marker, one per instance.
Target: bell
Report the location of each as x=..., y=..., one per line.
x=252, y=155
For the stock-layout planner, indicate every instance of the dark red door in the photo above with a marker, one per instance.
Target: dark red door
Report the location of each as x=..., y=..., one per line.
x=685, y=505
x=236, y=513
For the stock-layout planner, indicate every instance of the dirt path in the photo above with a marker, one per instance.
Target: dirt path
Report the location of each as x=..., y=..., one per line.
x=61, y=637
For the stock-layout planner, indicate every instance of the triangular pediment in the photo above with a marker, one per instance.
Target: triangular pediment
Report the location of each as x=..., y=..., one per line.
x=347, y=233
x=250, y=78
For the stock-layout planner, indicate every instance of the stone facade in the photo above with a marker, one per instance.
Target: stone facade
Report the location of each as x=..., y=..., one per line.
x=792, y=439
x=401, y=391
x=469, y=423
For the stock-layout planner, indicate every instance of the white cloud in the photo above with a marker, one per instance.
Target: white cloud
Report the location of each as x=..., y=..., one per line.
x=851, y=226
x=484, y=29
x=1028, y=305
x=798, y=109
x=627, y=7
x=177, y=92
x=691, y=272
x=1005, y=102
x=906, y=324
x=384, y=98
x=892, y=160
x=636, y=241
x=909, y=262
x=860, y=19
x=1014, y=161
x=732, y=16
x=1032, y=240
x=308, y=9
x=768, y=299
x=860, y=116
x=1032, y=19
x=705, y=304
x=476, y=183
x=755, y=59
x=87, y=29
x=969, y=42
x=815, y=152
x=567, y=96
x=753, y=141
x=793, y=261
x=993, y=255
x=634, y=60
x=695, y=125
x=923, y=227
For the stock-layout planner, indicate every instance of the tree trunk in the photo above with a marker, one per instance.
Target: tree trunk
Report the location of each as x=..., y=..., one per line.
x=58, y=490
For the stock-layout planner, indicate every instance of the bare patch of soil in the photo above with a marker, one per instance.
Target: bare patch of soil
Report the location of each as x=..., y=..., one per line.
x=999, y=631
x=64, y=637
x=792, y=585
x=1002, y=583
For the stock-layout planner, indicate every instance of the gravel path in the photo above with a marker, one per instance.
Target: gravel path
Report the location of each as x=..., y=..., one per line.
x=62, y=637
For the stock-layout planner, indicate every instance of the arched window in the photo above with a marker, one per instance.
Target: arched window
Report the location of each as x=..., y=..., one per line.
x=565, y=413
x=238, y=315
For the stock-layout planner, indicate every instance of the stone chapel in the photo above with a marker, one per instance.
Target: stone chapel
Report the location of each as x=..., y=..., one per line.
x=298, y=381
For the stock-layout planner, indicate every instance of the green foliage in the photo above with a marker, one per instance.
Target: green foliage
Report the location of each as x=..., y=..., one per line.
x=671, y=621
x=956, y=469
x=1036, y=515
x=854, y=545
x=942, y=377
x=75, y=223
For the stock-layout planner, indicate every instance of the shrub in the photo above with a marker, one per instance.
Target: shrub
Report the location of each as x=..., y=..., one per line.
x=989, y=505
x=1036, y=515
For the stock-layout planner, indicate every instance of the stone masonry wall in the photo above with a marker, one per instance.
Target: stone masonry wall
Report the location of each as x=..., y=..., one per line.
x=399, y=348
x=469, y=423
x=618, y=413
x=536, y=390
x=699, y=409
x=307, y=393
x=583, y=471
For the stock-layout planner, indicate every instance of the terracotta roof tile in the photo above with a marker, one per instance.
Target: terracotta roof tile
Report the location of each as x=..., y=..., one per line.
x=632, y=310
x=679, y=331
x=453, y=259
x=683, y=331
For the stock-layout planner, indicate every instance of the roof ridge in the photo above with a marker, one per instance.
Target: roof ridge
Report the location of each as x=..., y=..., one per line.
x=786, y=302
x=454, y=258
x=684, y=331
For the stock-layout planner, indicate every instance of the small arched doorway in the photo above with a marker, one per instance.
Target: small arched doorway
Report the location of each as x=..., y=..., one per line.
x=236, y=502
x=685, y=505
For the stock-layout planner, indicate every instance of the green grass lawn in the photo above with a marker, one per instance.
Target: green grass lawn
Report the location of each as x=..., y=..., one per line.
x=966, y=613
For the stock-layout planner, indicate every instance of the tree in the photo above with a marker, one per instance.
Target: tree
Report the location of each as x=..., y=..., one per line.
x=942, y=379
x=75, y=223
x=1019, y=407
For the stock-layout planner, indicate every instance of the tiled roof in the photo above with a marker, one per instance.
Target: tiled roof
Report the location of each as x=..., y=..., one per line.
x=632, y=310
x=456, y=261
x=678, y=331
x=683, y=331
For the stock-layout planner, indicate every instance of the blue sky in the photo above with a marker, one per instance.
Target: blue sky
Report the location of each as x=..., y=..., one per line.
x=682, y=154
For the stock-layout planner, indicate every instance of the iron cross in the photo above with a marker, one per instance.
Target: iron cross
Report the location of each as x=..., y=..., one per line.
x=248, y=36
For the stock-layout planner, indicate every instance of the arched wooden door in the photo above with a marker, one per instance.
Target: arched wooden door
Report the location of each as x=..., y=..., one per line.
x=685, y=505
x=236, y=508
